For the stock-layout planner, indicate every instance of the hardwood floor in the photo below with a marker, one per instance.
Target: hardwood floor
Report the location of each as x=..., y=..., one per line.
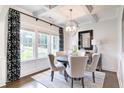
x=111, y=80
x=27, y=82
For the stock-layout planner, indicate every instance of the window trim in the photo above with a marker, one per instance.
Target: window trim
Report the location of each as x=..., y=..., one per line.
x=48, y=35
x=33, y=45
x=52, y=41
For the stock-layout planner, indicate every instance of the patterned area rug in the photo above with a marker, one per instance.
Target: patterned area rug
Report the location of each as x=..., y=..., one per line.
x=59, y=81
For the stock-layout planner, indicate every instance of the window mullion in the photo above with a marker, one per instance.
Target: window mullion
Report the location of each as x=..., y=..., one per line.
x=36, y=45
x=49, y=44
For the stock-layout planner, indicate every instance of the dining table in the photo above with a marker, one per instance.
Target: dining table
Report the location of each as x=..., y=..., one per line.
x=64, y=59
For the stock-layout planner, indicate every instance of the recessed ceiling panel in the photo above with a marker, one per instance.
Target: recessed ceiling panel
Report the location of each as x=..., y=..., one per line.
x=53, y=17
x=77, y=11
x=104, y=8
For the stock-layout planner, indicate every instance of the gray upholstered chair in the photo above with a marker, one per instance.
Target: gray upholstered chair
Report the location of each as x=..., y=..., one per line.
x=54, y=67
x=92, y=67
x=76, y=68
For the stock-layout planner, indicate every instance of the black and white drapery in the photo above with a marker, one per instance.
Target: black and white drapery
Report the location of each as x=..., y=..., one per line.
x=61, y=39
x=13, y=45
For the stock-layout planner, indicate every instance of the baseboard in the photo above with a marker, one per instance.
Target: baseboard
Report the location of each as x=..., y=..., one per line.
x=2, y=84
x=111, y=70
x=120, y=81
x=31, y=74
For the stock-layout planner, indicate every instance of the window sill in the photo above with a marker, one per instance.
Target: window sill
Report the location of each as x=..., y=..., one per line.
x=33, y=60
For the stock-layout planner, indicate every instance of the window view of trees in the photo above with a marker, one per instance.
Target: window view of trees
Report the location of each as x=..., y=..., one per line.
x=42, y=45
x=55, y=44
x=26, y=43
x=40, y=49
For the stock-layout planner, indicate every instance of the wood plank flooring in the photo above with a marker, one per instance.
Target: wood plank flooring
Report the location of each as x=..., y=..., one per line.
x=27, y=82
x=111, y=80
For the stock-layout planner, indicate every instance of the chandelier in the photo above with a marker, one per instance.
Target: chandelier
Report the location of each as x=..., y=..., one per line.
x=71, y=25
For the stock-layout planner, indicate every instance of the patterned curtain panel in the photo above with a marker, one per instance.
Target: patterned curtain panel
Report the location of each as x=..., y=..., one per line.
x=13, y=46
x=61, y=39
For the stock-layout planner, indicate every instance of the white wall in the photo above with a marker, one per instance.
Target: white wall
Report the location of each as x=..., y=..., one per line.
x=31, y=23
x=3, y=29
x=30, y=67
x=120, y=71
x=105, y=32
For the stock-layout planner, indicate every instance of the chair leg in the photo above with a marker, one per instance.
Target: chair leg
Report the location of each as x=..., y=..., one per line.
x=93, y=74
x=71, y=82
x=52, y=75
x=83, y=82
x=65, y=74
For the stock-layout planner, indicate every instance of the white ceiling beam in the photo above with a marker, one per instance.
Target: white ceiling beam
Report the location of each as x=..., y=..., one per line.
x=88, y=9
x=40, y=11
x=43, y=10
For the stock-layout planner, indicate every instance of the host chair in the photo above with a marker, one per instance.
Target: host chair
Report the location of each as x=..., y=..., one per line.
x=92, y=67
x=54, y=67
x=76, y=68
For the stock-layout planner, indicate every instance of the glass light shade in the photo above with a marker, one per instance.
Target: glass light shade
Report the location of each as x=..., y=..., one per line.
x=68, y=28
x=71, y=26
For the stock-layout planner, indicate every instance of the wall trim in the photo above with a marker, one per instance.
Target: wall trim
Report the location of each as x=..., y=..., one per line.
x=2, y=84
x=119, y=81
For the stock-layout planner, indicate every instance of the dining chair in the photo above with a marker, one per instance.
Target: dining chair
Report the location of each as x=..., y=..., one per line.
x=92, y=67
x=54, y=67
x=76, y=68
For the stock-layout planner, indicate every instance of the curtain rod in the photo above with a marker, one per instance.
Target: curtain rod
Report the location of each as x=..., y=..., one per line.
x=37, y=18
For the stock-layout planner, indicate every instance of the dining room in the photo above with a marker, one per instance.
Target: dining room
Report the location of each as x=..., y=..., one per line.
x=60, y=46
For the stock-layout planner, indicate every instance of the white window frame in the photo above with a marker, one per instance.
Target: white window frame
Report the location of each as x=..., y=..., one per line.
x=51, y=41
x=33, y=44
x=48, y=40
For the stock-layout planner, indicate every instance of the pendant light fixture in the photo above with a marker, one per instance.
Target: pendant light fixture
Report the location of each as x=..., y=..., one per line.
x=71, y=25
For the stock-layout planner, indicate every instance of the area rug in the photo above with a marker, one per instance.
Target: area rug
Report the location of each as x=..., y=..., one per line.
x=59, y=81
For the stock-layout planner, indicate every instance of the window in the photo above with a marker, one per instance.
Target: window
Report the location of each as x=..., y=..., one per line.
x=42, y=45
x=26, y=43
x=36, y=45
x=55, y=44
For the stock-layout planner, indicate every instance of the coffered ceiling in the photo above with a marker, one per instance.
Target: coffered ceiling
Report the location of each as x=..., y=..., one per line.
x=60, y=14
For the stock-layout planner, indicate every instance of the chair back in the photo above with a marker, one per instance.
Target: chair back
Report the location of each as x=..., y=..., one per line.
x=77, y=66
x=51, y=60
x=95, y=59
